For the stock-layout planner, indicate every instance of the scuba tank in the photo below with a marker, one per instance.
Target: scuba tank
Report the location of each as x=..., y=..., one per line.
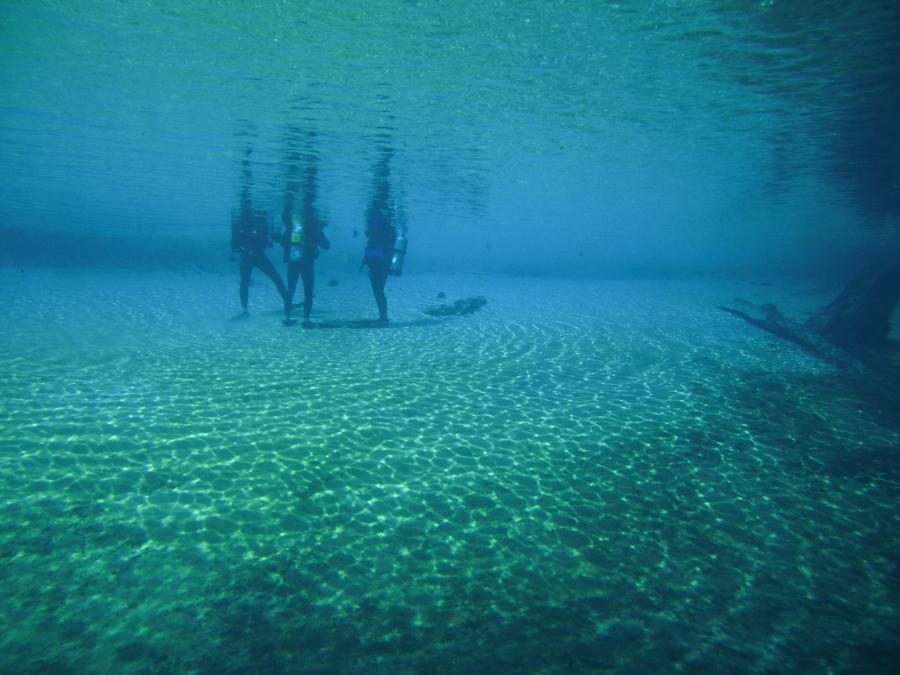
x=298, y=236
x=398, y=255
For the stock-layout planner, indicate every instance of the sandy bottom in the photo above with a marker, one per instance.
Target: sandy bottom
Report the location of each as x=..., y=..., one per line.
x=584, y=476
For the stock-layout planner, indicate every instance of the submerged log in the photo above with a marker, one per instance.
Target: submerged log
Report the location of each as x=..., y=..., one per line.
x=768, y=318
x=859, y=318
x=848, y=331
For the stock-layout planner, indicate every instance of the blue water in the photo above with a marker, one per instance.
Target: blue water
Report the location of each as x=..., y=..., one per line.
x=599, y=471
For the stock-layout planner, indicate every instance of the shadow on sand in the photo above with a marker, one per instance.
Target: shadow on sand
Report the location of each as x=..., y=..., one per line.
x=375, y=323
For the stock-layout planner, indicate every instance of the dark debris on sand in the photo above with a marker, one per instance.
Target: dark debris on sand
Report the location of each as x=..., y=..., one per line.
x=458, y=308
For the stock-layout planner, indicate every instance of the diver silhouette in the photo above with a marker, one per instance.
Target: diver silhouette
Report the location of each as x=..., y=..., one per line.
x=385, y=234
x=250, y=237
x=303, y=229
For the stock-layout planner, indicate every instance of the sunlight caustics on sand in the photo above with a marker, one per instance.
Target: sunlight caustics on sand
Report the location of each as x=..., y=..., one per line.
x=597, y=474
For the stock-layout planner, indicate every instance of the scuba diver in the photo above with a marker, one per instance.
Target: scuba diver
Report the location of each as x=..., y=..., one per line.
x=303, y=236
x=386, y=236
x=250, y=236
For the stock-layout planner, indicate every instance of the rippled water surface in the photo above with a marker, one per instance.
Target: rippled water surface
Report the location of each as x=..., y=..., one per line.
x=705, y=134
x=583, y=476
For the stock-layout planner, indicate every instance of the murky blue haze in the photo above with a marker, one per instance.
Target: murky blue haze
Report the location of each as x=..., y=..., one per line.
x=600, y=471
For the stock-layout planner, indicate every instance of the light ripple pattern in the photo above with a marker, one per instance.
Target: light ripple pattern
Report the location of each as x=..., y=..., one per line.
x=584, y=476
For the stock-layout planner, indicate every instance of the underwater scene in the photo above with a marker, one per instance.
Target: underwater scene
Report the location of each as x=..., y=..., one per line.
x=397, y=336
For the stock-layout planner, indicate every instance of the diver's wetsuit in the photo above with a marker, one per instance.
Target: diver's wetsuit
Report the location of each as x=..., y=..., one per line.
x=379, y=248
x=380, y=232
x=304, y=267
x=250, y=238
